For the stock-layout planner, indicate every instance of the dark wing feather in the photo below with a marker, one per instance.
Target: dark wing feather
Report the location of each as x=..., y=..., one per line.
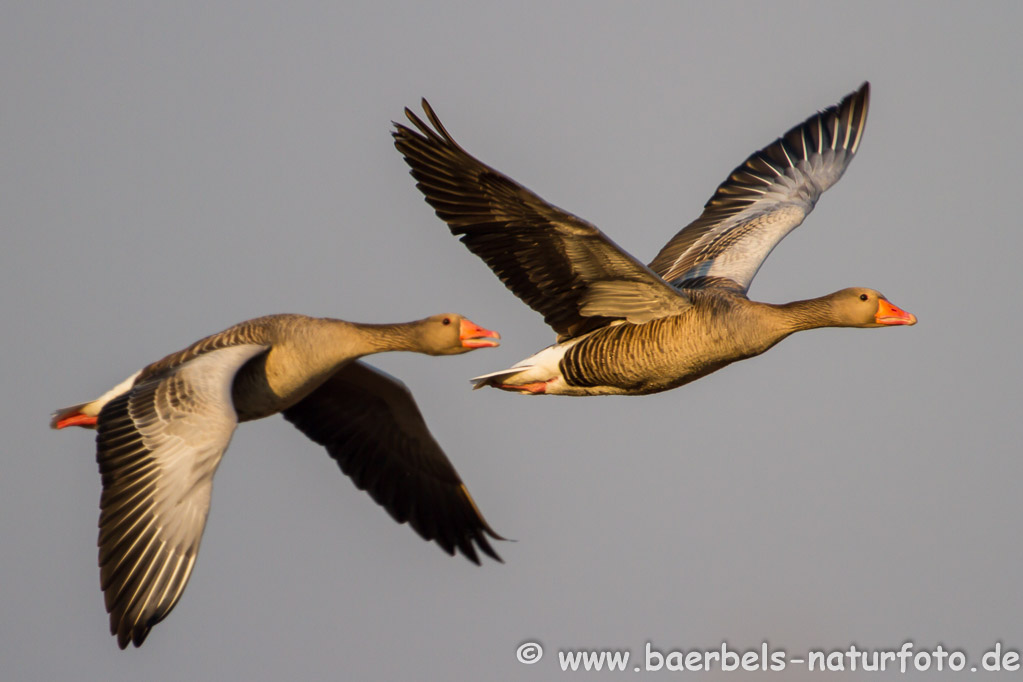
x=158, y=446
x=370, y=424
x=548, y=257
x=764, y=199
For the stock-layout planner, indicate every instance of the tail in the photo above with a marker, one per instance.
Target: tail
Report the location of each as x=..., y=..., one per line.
x=496, y=378
x=86, y=414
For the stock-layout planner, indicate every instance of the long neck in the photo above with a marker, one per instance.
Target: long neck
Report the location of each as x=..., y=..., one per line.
x=306, y=352
x=308, y=346
x=379, y=338
x=809, y=314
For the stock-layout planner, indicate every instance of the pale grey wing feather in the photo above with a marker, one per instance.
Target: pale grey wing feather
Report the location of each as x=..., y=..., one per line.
x=548, y=257
x=371, y=425
x=638, y=303
x=764, y=199
x=158, y=446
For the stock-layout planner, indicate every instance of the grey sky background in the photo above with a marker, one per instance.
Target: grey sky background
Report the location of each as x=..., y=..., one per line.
x=171, y=169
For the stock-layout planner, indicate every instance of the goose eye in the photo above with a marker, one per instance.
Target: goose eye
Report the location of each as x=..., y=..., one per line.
x=447, y=320
x=863, y=297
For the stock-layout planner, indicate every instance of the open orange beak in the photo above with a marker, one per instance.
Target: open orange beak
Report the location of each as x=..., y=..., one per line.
x=474, y=336
x=889, y=314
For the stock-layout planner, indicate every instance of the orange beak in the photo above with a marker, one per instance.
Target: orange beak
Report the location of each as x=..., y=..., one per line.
x=474, y=336
x=889, y=314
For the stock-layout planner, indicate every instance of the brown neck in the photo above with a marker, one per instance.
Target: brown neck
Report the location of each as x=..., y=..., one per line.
x=809, y=314
x=379, y=338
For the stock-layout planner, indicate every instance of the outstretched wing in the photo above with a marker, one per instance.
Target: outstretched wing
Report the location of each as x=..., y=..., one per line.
x=764, y=199
x=561, y=266
x=370, y=424
x=158, y=446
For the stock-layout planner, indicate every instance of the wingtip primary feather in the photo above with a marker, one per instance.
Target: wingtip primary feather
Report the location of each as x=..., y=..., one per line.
x=864, y=97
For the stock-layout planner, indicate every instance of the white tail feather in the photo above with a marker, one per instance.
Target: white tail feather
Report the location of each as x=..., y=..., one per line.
x=488, y=379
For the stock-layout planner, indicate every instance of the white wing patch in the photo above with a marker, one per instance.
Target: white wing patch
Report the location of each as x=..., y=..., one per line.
x=747, y=251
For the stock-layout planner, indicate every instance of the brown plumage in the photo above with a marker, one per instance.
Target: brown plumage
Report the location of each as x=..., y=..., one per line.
x=627, y=328
x=162, y=432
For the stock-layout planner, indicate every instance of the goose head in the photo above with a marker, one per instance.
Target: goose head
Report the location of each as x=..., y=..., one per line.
x=452, y=334
x=860, y=307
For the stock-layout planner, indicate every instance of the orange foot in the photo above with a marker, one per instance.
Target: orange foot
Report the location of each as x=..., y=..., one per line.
x=535, y=388
x=76, y=419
